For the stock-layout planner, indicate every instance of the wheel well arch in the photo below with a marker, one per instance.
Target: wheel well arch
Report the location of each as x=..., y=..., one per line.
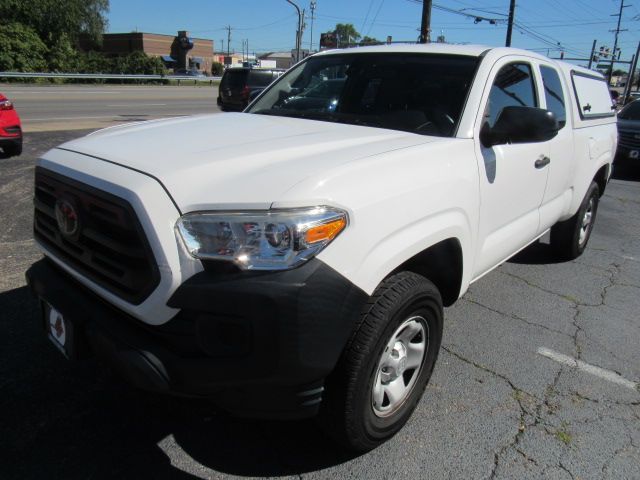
x=601, y=178
x=442, y=264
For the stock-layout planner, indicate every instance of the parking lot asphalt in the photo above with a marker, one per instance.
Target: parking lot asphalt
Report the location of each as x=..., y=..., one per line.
x=538, y=378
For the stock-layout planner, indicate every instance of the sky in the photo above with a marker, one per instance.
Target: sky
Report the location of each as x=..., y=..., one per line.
x=546, y=26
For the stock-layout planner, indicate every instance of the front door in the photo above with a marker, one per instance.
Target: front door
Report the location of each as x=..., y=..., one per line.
x=513, y=176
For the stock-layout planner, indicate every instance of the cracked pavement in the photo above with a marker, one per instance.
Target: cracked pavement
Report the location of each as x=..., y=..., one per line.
x=494, y=409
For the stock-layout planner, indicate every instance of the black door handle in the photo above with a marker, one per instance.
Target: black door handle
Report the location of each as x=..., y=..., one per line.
x=542, y=162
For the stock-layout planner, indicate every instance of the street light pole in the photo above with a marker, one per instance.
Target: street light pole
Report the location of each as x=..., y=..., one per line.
x=299, y=32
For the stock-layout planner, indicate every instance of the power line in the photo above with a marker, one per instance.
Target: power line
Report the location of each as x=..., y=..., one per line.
x=375, y=18
x=366, y=17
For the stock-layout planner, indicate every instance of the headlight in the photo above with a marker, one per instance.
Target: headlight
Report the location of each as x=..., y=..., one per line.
x=271, y=240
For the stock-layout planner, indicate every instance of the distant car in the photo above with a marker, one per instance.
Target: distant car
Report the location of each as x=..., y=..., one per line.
x=239, y=86
x=10, y=128
x=629, y=132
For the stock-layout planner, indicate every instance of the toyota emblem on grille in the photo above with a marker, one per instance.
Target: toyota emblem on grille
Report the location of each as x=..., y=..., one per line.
x=66, y=217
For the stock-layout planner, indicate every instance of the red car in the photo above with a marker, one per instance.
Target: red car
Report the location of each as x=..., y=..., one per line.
x=10, y=128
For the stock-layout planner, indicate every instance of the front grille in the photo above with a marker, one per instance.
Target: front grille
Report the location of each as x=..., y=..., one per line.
x=628, y=139
x=109, y=247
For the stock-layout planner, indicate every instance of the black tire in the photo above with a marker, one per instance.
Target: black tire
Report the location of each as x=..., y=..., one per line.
x=347, y=413
x=566, y=238
x=13, y=150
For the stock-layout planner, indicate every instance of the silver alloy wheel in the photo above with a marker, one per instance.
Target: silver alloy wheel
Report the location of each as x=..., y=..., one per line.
x=399, y=366
x=586, y=222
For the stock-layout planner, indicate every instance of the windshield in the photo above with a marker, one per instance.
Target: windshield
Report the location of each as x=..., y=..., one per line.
x=417, y=93
x=631, y=111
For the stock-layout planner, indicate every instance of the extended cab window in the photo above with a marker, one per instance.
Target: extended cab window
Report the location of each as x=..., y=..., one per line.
x=553, y=94
x=418, y=93
x=513, y=86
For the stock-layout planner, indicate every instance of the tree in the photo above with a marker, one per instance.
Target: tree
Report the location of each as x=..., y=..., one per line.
x=62, y=57
x=217, y=69
x=21, y=50
x=347, y=34
x=52, y=19
x=618, y=73
x=366, y=40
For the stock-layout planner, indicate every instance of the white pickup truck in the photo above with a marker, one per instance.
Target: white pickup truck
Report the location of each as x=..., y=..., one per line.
x=293, y=260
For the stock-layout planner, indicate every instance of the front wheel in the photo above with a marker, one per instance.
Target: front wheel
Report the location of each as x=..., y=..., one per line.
x=386, y=366
x=570, y=238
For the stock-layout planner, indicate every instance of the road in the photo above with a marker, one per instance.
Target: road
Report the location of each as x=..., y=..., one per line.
x=65, y=107
x=508, y=398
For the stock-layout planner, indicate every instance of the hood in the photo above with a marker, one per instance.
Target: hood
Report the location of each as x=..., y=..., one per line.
x=237, y=160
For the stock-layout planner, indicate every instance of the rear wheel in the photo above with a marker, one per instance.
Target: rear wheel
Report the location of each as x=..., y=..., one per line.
x=570, y=238
x=386, y=366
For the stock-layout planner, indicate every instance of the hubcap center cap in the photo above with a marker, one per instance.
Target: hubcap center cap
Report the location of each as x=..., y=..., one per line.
x=397, y=363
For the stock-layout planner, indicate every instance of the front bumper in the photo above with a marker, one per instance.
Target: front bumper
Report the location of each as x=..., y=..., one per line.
x=258, y=344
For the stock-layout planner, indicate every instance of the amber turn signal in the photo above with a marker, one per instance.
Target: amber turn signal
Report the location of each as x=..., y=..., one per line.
x=325, y=232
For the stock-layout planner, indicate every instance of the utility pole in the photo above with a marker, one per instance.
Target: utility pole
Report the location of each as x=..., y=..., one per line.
x=425, y=27
x=512, y=10
x=228, y=40
x=312, y=6
x=615, y=43
x=593, y=52
x=222, y=45
x=299, y=31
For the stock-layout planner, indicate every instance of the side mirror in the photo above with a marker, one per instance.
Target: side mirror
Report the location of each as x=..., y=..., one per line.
x=520, y=125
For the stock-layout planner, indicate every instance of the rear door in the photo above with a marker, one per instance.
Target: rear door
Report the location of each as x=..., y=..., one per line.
x=511, y=185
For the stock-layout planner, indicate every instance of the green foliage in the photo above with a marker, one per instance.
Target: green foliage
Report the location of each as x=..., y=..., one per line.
x=21, y=50
x=618, y=73
x=366, y=40
x=62, y=57
x=53, y=19
x=347, y=34
x=136, y=63
x=217, y=69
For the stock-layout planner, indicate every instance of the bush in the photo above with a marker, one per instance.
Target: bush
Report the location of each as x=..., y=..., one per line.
x=21, y=50
x=217, y=69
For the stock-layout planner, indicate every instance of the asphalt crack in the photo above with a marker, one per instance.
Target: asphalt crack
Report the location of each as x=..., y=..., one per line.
x=516, y=317
x=517, y=395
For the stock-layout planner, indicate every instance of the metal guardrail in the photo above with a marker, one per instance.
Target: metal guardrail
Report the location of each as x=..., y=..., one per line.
x=108, y=76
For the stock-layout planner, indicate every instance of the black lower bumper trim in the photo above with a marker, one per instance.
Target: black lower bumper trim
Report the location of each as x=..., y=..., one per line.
x=257, y=344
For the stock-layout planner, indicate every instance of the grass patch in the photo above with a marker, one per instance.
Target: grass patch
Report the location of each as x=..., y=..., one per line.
x=562, y=434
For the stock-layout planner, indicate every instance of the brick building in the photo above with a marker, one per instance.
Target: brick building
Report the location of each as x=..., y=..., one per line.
x=179, y=51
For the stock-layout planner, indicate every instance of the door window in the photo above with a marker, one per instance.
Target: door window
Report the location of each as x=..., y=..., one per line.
x=513, y=86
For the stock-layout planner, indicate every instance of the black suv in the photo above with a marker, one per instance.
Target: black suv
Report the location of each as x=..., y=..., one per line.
x=240, y=85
